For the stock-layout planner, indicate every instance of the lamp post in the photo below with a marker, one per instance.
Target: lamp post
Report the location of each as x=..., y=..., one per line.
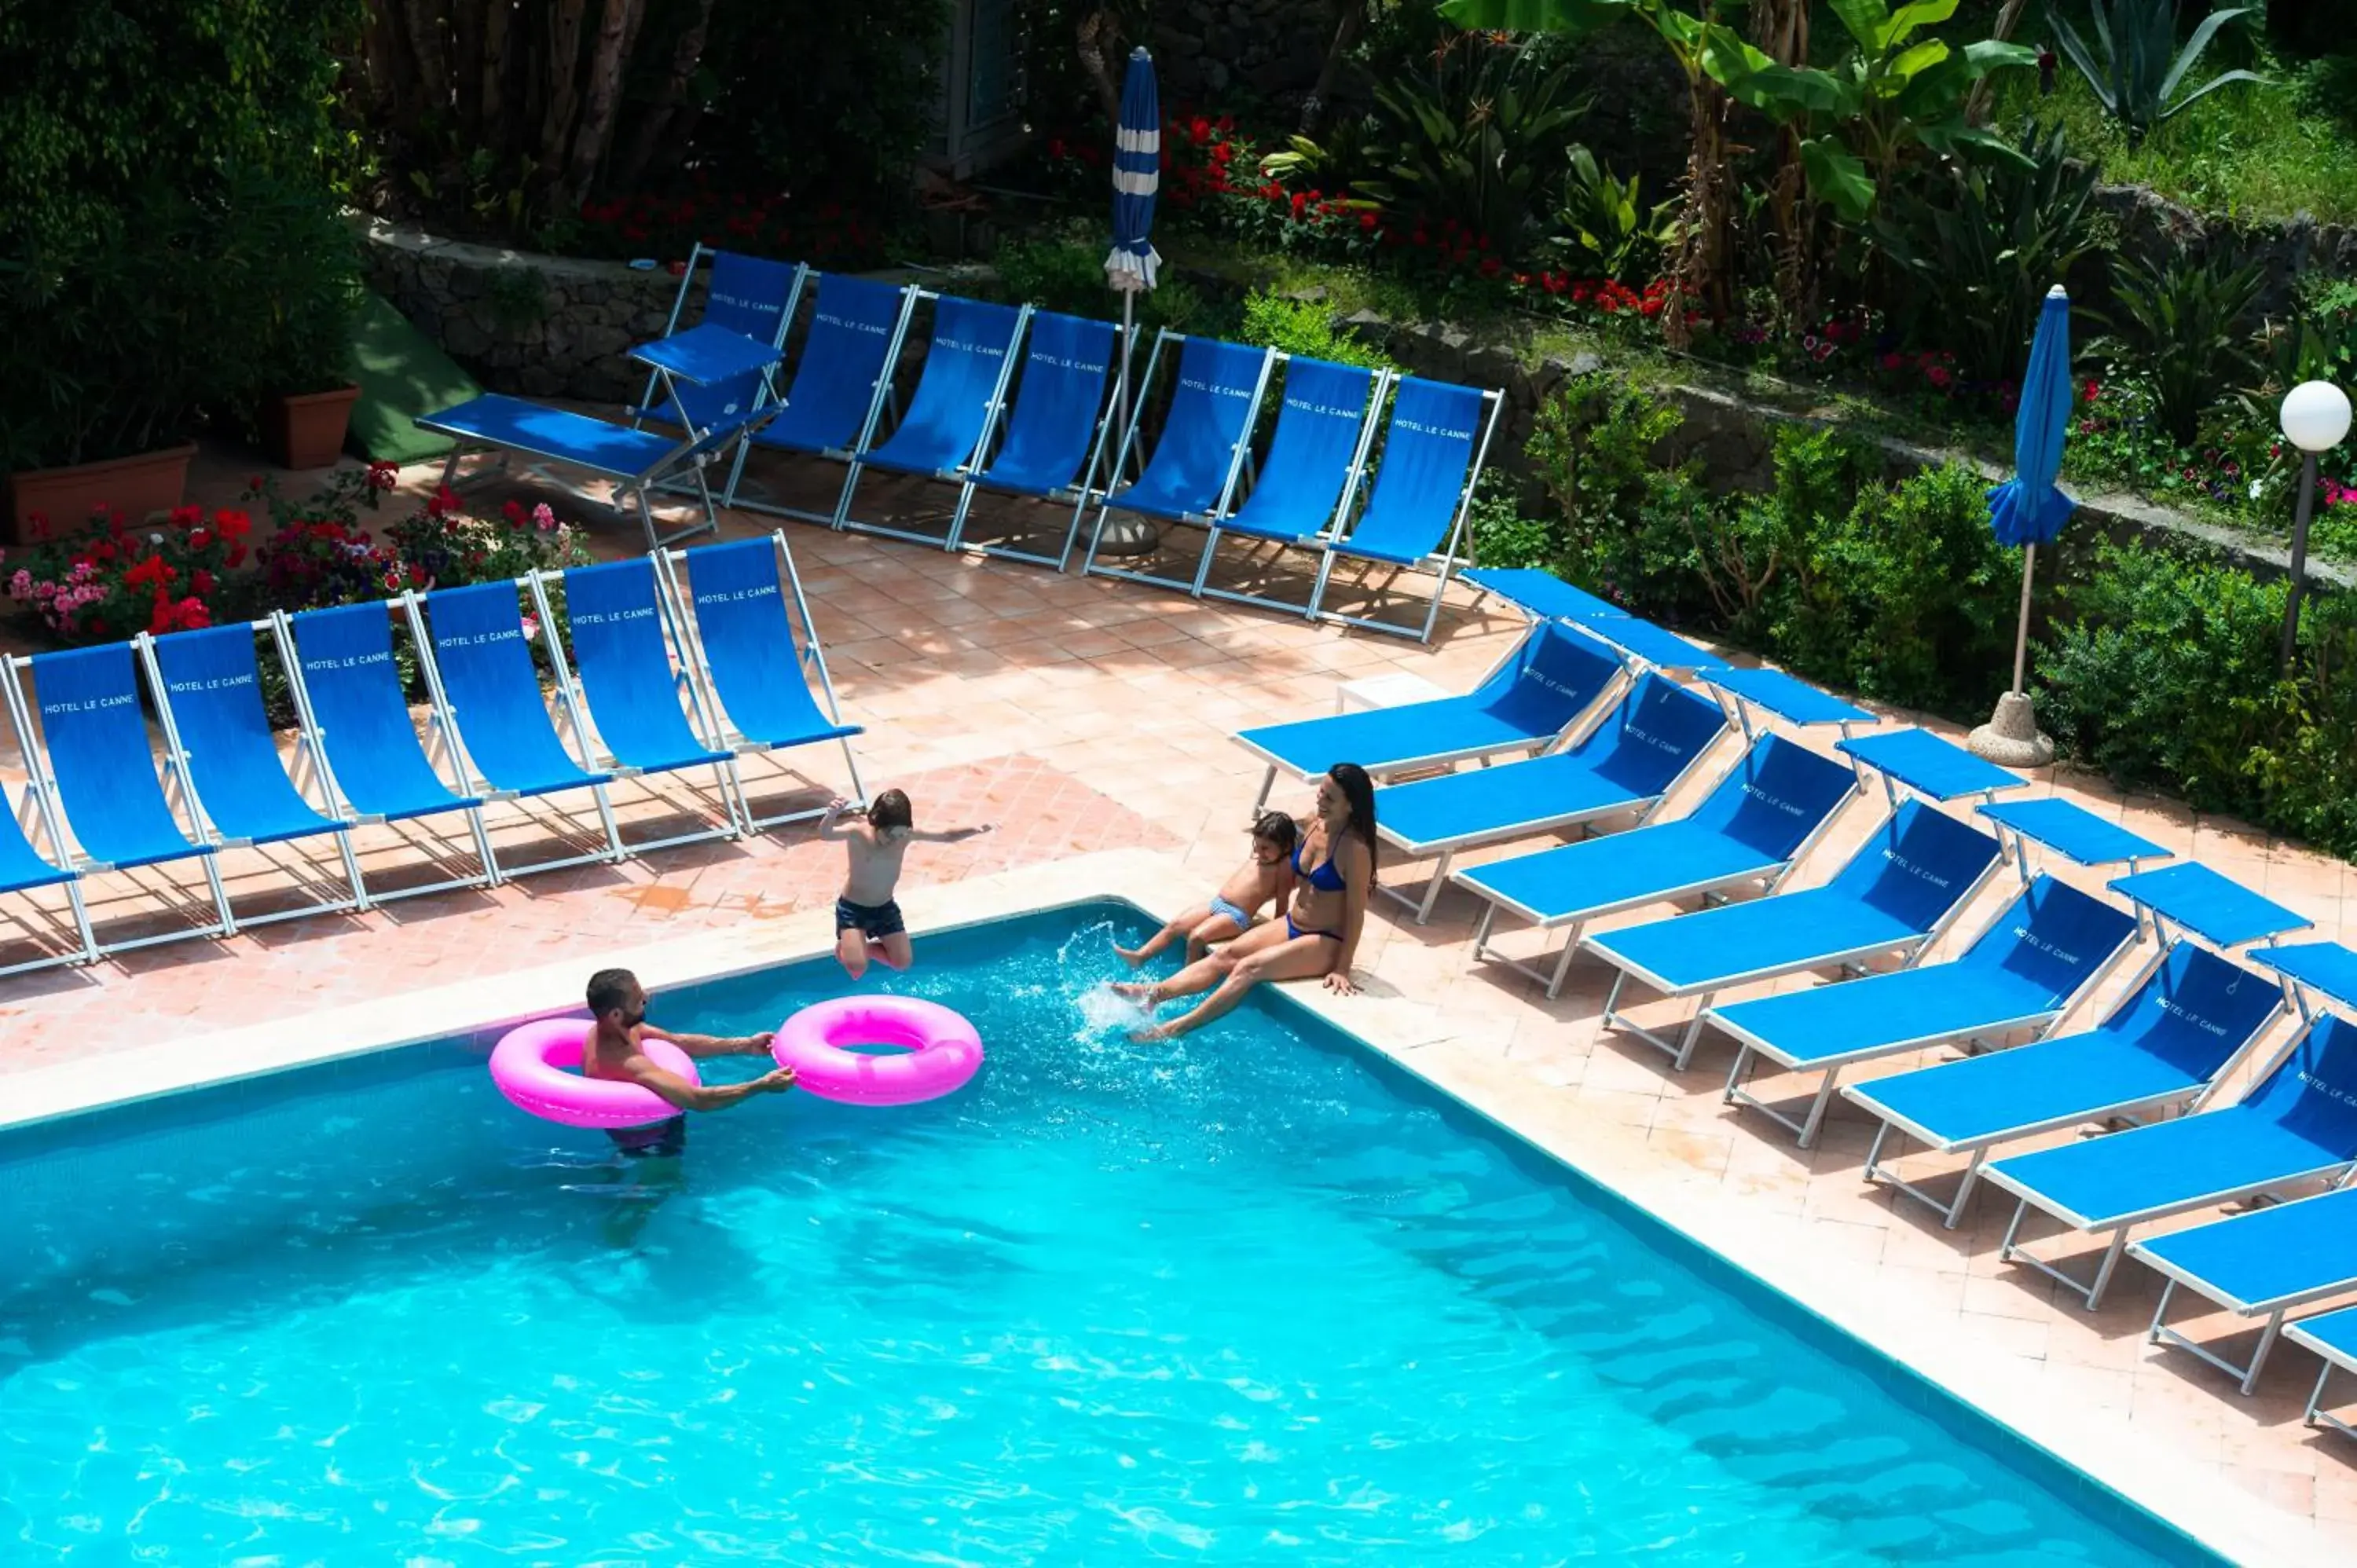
x=2315, y=418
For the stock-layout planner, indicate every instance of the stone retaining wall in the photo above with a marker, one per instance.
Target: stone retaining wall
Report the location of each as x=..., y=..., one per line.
x=1208, y=51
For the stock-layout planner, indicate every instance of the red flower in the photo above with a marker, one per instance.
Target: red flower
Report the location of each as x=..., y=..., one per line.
x=155, y=569
x=232, y=524
x=383, y=475
x=186, y=516
x=1938, y=376
x=200, y=582
x=198, y=539
x=1489, y=267
x=1199, y=130
x=1367, y=221
x=2094, y=390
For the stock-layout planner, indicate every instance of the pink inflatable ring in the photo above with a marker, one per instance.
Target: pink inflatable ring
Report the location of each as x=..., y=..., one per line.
x=940, y=1050
x=530, y=1065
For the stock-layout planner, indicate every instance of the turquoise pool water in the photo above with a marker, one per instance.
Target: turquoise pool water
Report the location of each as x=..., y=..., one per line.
x=1255, y=1298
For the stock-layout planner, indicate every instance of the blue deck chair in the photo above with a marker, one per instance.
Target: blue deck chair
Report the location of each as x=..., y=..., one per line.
x=1325, y=424
x=1527, y=703
x=623, y=638
x=481, y=672
x=1630, y=762
x=217, y=733
x=1898, y=893
x=96, y=762
x=960, y=394
x=347, y=688
x=1055, y=435
x=23, y=868
x=1757, y=820
x=756, y=651
x=2184, y=1028
x=749, y=296
x=2299, y=1125
x=2027, y=970
x=841, y=381
x=1201, y=450
x=1433, y=449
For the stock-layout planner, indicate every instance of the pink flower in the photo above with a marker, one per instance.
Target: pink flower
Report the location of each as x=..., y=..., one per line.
x=531, y=627
x=21, y=585
x=542, y=517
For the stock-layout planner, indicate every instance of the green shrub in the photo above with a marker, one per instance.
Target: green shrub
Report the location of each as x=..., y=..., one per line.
x=1068, y=275
x=1625, y=527
x=1304, y=327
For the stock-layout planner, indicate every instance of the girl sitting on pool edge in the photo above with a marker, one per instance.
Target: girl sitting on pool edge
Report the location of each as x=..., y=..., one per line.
x=1334, y=872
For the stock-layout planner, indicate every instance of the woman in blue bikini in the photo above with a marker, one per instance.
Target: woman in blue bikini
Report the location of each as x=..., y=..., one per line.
x=1334, y=871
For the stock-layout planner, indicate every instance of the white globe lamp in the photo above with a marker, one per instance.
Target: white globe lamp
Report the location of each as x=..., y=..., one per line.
x=2315, y=418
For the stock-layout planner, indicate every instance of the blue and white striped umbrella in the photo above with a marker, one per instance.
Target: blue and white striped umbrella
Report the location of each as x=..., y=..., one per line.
x=1136, y=175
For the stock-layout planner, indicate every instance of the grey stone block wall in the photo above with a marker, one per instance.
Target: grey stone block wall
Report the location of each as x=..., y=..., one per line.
x=1208, y=51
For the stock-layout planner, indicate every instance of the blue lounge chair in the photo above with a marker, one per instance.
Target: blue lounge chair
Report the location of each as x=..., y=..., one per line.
x=23, y=868
x=1628, y=763
x=961, y=393
x=2027, y=970
x=1756, y=824
x=2267, y=1263
x=749, y=296
x=1788, y=697
x=2075, y=833
x=94, y=762
x=1325, y=424
x=2334, y=1337
x=1433, y=449
x=1935, y=768
x=841, y=381
x=348, y=691
x=1059, y=423
x=1526, y=704
x=2299, y=1125
x=217, y=733
x=1199, y=454
x=2219, y=910
x=1543, y=596
x=2182, y=1032
x=481, y=672
x=623, y=646
x=1898, y=893
x=637, y=461
x=756, y=655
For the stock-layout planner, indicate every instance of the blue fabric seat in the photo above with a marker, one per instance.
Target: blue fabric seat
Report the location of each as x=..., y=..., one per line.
x=2170, y=1043
x=1059, y=423
x=1433, y=449
x=1543, y=596
x=960, y=395
x=1753, y=826
x=25, y=869
x=1526, y=704
x=2334, y=1337
x=756, y=648
x=1325, y=423
x=2299, y=1124
x=1200, y=451
x=2027, y=970
x=2267, y=1262
x=1896, y=895
x=750, y=297
x=1628, y=763
x=841, y=381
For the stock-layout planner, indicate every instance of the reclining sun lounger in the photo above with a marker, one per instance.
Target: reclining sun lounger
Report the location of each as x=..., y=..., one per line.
x=93, y=754
x=481, y=672
x=749, y=296
x=1756, y=824
x=1788, y=697
x=2180, y=1032
x=841, y=381
x=347, y=688
x=1628, y=763
x=623, y=642
x=637, y=461
x=1543, y=596
x=1201, y=452
x=1433, y=449
x=2334, y=1337
x=756, y=656
x=1526, y=704
x=218, y=735
x=1059, y=423
x=1324, y=427
x=1898, y=893
x=2027, y=970
x=1935, y=768
x=2299, y=1125
x=961, y=393
x=2219, y=910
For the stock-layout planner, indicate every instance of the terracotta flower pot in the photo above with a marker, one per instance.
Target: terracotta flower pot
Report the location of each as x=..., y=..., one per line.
x=307, y=430
x=151, y=481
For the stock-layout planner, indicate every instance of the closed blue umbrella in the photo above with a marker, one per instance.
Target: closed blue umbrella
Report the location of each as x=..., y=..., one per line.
x=2030, y=510
x=1136, y=175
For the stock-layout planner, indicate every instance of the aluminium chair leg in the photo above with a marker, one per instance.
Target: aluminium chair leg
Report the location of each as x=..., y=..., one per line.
x=220, y=896
x=82, y=924
x=1431, y=888
x=352, y=874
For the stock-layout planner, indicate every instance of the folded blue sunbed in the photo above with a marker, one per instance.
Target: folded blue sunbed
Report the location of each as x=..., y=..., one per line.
x=1628, y=763
x=1754, y=824
x=2180, y=1031
x=1897, y=894
x=2027, y=970
x=2299, y=1125
x=1526, y=704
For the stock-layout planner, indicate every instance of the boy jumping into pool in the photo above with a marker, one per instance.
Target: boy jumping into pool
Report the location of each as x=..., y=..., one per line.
x=1266, y=876
x=867, y=923
x=620, y=1004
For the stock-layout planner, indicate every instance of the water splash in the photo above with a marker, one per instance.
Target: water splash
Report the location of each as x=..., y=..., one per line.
x=1103, y=1011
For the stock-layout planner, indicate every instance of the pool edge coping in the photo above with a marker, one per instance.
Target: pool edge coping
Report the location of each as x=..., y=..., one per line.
x=2134, y=1466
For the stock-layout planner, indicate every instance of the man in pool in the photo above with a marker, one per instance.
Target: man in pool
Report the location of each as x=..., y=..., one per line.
x=620, y=1004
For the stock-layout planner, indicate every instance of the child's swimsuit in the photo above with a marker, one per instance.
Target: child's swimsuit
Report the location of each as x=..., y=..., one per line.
x=1221, y=906
x=1326, y=879
x=875, y=921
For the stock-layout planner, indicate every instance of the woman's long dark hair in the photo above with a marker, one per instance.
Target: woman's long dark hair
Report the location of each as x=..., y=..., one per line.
x=1359, y=794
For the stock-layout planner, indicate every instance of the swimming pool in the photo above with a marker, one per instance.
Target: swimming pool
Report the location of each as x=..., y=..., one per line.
x=1257, y=1297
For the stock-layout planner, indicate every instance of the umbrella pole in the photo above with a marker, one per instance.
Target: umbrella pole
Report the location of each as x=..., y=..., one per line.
x=1121, y=386
x=2021, y=632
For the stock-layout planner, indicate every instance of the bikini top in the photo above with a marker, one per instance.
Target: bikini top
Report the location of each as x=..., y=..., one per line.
x=1326, y=879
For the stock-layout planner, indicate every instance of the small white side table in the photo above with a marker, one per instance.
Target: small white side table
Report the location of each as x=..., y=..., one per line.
x=1394, y=691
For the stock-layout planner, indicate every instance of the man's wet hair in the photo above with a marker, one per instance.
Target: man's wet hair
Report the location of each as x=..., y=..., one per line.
x=610, y=989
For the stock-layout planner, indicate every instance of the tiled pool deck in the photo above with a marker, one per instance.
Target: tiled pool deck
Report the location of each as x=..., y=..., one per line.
x=1090, y=720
